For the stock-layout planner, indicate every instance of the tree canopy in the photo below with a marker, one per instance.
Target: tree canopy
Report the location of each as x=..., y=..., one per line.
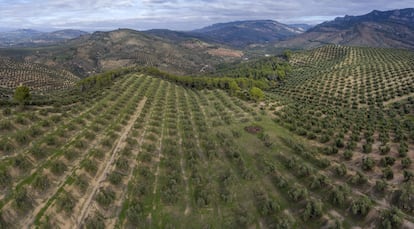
x=22, y=95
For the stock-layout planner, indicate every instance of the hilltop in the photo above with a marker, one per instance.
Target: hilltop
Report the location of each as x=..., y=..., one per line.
x=392, y=29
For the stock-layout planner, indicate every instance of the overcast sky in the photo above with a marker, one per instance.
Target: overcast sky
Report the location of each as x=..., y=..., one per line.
x=176, y=14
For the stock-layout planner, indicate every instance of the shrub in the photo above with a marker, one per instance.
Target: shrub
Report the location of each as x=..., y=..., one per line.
x=105, y=197
x=82, y=183
x=387, y=173
x=348, y=154
x=6, y=146
x=403, y=197
x=21, y=163
x=367, y=148
x=380, y=185
x=96, y=222
x=406, y=162
x=89, y=166
x=5, y=125
x=387, y=161
x=384, y=149
x=361, y=206
x=340, y=170
x=5, y=177
x=408, y=175
x=359, y=179
x=115, y=178
x=313, y=210
x=65, y=202
x=135, y=212
x=58, y=168
x=22, y=200
x=41, y=183
x=7, y=111
x=391, y=218
x=368, y=163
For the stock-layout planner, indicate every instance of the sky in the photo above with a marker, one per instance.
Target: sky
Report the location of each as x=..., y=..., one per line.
x=92, y=15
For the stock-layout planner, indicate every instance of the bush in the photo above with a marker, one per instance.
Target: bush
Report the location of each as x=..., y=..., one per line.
x=89, y=166
x=348, y=154
x=5, y=125
x=387, y=173
x=41, y=183
x=391, y=218
x=5, y=177
x=367, y=148
x=403, y=197
x=297, y=193
x=21, y=163
x=105, y=197
x=313, y=210
x=408, y=175
x=381, y=185
x=82, y=183
x=387, y=161
x=340, y=170
x=115, y=178
x=7, y=111
x=384, y=149
x=95, y=222
x=339, y=142
x=65, y=202
x=58, y=168
x=403, y=149
x=361, y=207
x=367, y=163
x=6, y=146
x=359, y=179
x=406, y=162
x=135, y=213
x=22, y=200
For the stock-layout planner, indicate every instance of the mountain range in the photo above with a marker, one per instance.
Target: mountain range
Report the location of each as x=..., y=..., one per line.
x=30, y=37
x=389, y=29
x=192, y=52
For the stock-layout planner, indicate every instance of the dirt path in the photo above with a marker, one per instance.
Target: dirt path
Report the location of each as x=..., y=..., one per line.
x=182, y=165
x=386, y=103
x=118, y=147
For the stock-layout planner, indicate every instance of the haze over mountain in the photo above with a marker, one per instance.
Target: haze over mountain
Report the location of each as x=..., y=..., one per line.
x=394, y=29
x=30, y=37
x=243, y=33
x=237, y=34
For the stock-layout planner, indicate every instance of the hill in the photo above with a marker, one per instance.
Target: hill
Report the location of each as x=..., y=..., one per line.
x=30, y=38
x=244, y=33
x=392, y=29
x=103, y=51
x=38, y=78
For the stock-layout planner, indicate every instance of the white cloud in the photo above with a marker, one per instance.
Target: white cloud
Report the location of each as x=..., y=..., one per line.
x=177, y=14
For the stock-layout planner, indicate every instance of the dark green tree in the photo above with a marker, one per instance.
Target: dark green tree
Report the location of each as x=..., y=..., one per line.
x=22, y=95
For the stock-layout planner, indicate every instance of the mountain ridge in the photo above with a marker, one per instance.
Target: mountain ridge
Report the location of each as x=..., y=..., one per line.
x=387, y=29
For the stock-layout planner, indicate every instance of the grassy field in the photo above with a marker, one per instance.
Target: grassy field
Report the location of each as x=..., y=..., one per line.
x=148, y=153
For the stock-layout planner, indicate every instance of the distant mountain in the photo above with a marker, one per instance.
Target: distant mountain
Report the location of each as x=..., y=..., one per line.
x=301, y=27
x=393, y=29
x=101, y=51
x=29, y=37
x=244, y=33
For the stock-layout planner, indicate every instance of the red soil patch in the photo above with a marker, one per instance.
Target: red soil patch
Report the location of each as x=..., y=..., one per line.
x=253, y=129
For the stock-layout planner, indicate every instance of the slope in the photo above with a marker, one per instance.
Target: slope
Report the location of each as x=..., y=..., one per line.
x=393, y=29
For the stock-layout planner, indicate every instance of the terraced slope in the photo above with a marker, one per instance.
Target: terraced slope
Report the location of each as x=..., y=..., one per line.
x=37, y=77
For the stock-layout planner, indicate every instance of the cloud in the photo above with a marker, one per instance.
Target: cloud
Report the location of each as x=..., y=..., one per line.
x=176, y=14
